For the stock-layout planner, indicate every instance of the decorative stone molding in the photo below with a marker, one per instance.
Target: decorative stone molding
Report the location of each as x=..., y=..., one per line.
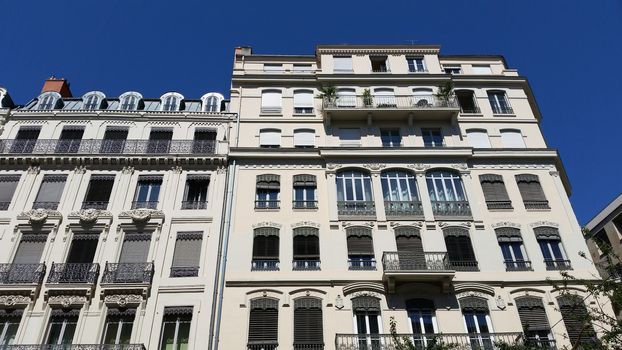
x=501, y=303
x=509, y=166
x=364, y=288
x=431, y=50
x=89, y=216
x=346, y=224
x=127, y=170
x=177, y=169
x=339, y=302
x=365, y=294
x=333, y=166
x=543, y=223
x=305, y=224
x=123, y=300
x=375, y=166
x=10, y=301
x=466, y=289
x=472, y=293
x=419, y=166
x=81, y=169
x=267, y=224
x=505, y=224
x=465, y=224
x=39, y=216
x=33, y=169
x=462, y=166
x=141, y=215
x=67, y=301
x=417, y=224
x=554, y=173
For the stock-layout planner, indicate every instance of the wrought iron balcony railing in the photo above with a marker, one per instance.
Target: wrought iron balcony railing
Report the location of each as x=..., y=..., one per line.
x=267, y=345
x=21, y=273
x=407, y=261
x=106, y=147
x=267, y=204
x=86, y=273
x=403, y=208
x=356, y=208
x=306, y=264
x=73, y=347
x=144, y=204
x=499, y=204
x=133, y=273
x=557, y=264
x=184, y=271
x=537, y=205
x=502, y=109
x=451, y=208
x=304, y=204
x=359, y=264
x=518, y=265
x=193, y=205
x=308, y=346
x=474, y=341
x=45, y=205
x=464, y=265
x=95, y=205
x=471, y=110
x=265, y=265
x=414, y=102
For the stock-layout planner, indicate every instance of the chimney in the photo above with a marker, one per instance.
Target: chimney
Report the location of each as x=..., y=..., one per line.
x=243, y=51
x=60, y=85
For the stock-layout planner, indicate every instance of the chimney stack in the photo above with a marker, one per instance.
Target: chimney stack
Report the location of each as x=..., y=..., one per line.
x=243, y=51
x=60, y=85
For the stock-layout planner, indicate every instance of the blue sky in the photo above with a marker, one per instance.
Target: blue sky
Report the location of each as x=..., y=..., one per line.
x=570, y=50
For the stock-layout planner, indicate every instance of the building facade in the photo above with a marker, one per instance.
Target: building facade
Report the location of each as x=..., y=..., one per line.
x=110, y=219
x=392, y=182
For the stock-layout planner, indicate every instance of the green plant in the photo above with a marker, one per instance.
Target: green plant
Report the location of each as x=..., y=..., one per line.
x=405, y=343
x=367, y=98
x=445, y=91
x=328, y=93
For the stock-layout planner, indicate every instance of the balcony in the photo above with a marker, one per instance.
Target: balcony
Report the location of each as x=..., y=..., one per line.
x=412, y=210
x=267, y=345
x=306, y=265
x=73, y=273
x=16, y=276
x=193, y=205
x=184, y=271
x=267, y=204
x=557, y=264
x=45, y=205
x=362, y=264
x=451, y=210
x=74, y=347
x=265, y=265
x=519, y=265
x=411, y=267
x=308, y=346
x=304, y=204
x=356, y=210
x=391, y=107
x=499, y=205
x=536, y=205
x=484, y=341
x=144, y=204
x=464, y=265
x=128, y=273
x=95, y=205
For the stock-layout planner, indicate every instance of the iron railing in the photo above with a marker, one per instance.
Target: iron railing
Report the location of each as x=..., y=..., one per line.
x=45, y=205
x=265, y=265
x=356, y=208
x=73, y=347
x=135, y=273
x=308, y=346
x=73, y=273
x=21, y=273
x=407, y=261
x=403, y=208
x=479, y=341
x=304, y=204
x=263, y=345
x=518, y=265
x=496, y=109
x=464, y=265
x=415, y=102
x=358, y=264
x=306, y=264
x=451, y=208
x=557, y=264
x=94, y=205
x=267, y=204
x=542, y=205
x=499, y=204
x=144, y=204
x=103, y=146
x=193, y=205
x=472, y=110
x=184, y=271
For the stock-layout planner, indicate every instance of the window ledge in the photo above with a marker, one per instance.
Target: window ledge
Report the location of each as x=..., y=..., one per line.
x=501, y=210
x=305, y=209
x=538, y=210
x=304, y=114
x=267, y=114
x=475, y=114
x=511, y=115
x=267, y=209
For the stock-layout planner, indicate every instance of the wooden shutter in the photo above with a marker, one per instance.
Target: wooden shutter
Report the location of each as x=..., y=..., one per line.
x=366, y=303
x=306, y=247
x=494, y=188
x=187, y=249
x=263, y=325
x=530, y=188
x=304, y=180
x=532, y=314
x=30, y=249
x=308, y=327
x=135, y=248
x=360, y=241
x=51, y=188
x=409, y=249
x=7, y=188
x=575, y=317
x=266, y=247
x=458, y=244
x=205, y=135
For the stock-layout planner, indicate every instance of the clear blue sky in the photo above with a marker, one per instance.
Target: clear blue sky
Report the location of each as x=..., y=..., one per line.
x=570, y=50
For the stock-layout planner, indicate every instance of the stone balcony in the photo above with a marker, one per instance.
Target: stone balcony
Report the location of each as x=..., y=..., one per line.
x=405, y=267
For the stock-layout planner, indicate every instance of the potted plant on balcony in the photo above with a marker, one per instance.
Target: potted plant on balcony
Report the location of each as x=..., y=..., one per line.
x=328, y=94
x=445, y=92
x=367, y=98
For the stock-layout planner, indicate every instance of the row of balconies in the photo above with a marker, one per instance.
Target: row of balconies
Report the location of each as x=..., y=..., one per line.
x=73, y=347
x=106, y=146
x=405, y=209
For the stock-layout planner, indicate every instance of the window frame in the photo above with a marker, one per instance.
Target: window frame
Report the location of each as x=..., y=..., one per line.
x=123, y=101
x=415, y=67
x=171, y=102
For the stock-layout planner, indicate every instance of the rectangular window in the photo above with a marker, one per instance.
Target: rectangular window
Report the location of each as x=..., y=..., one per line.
x=305, y=188
x=342, y=64
x=9, y=323
x=26, y=267
x=481, y=69
x=26, y=139
x=453, y=70
x=360, y=249
x=531, y=192
x=306, y=249
x=98, y=192
x=50, y=192
x=379, y=64
x=132, y=266
x=575, y=316
x=176, y=328
x=304, y=138
x=512, y=139
x=159, y=140
x=535, y=323
x=62, y=327
x=303, y=101
x=118, y=326
x=499, y=103
x=268, y=190
x=114, y=140
x=466, y=99
x=416, y=65
x=308, y=329
x=350, y=137
x=135, y=248
x=8, y=184
x=432, y=137
x=204, y=141
x=263, y=325
x=494, y=192
x=195, y=195
x=271, y=101
x=390, y=137
x=270, y=138
x=303, y=68
x=147, y=192
x=478, y=138
x=272, y=67
x=513, y=252
x=460, y=250
x=187, y=254
x=69, y=140
x=265, y=249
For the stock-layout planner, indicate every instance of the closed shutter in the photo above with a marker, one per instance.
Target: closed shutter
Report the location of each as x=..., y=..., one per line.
x=135, y=248
x=530, y=189
x=7, y=189
x=51, y=188
x=410, y=252
x=268, y=182
x=303, y=98
x=30, y=249
x=161, y=134
x=512, y=139
x=478, y=138
x=115, y=133
x=532, y=314
x=350, y=136
x=100, y=188
x=306, y=247
x=304, y=137
x=459, y=246
x=494, y=188
x=360, y=245
x=204, y=135
x=342, y=64
x=575, y=318
x=270, y=137
x=271, y=101
x=304, y=180
x=266, y=247
x=308, y=329
x=263, y=327
x=473, y=304
x=187, y=249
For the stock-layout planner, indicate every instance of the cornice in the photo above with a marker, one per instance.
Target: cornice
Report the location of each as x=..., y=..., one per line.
x=380, y=49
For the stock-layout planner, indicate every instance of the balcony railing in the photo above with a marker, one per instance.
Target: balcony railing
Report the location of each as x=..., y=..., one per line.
x=134, y=273
x=184, y=271
x=73, y=273
x=407, y=261
x=306, y=264
x=45, y=205
x=265, y=265
x=557, y=264
x=464, y=265
x=102, y=146
x=403, y=208
x=390, y=102
x=144, y=204
x=94, y=205
x=193, y=205
x=267, y=204
x=263, y=345
x=470, y=110
x=499, y=205
x=356, y=208
x=483, y=341
x=304, y=204
x=308, y=346
x=73, y=347
x=519, y=265
x=451, y=208
x=502, y=109
x=361, y=264
x=21, y=273
x=537, y=205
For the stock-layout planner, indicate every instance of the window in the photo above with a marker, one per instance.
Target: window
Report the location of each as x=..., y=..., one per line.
x=272, y=67
x=130, y=101
x=268, y=191
x=303, y=68
x=514, y=254
x=384, y=98
x=271, y=101
x=346, y=98
x=171, y=102
x=481, y=69
x=367, y=321
x=422, y=322
x=9, y=323
x=601, y=240
x=423, y=98
x=70, y=139
x=499, y=102
x=132, y=266
x=62, y=327
x=305, y=188
x=8, y=184
x=26, y=139
x=467, y=101
x=512, y=139
x=118, y=326
x=494, y=192
x=304, y=138
x=399, y=189
x=195, y=193
x=342, y=64
x=159, y=140
x=176, y=328
x=26, y=261
x=379, y=64
x=360, y=249
x=306, y=248
x=263, y=324
x=265, y=249
x=354, y=193
x=48, y=100
x=50, y=192
x=452, y=70
x=410, y=255
x=390, y=137
x=531, y=192
x=212, y=102
x=93, y=100
x=303, y=101
x=459, y=249
x=187, y=254
x=416, y=65
x=574, y=314
x=350, y=137
x=432, y=137
x=478, y=138
x=204, y=141
x=79, y=263
x=114, y=139
x=552, y=249
x=477, y=321
x=447, y=193
x=535, y=322
x=98, y=192
x=147, y=192
x=308, y=328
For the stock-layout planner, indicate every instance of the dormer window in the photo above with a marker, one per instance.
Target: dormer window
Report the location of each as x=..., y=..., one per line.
x=130, y=101
x=171, y=102
x=93, y=100
x=48, y=100
x=212, y=102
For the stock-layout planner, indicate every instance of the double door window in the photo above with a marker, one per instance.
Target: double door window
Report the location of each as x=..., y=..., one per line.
x=368, y=329
x=118, y=329
x=61, y=329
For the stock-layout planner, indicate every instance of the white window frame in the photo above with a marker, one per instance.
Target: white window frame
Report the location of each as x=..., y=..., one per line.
x=120, y=324
x=443, y=176
x=303, y=101
x=478, y=138
x=129, y=95
x=268, y=106
x=209, y=96
x=270, y=137
x=414, y=59
x=47, y=100
x=398, y=175
x=164, y=101
x=343, y=69
x=359, y=177
x=93, y=100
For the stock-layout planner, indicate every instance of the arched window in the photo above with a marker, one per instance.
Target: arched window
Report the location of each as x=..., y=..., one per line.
x=367, y=319
x=360, y=248
x=49, y=100
x=477, y=320
x=130, y=101
x=423, y=97
x=552, y=249
x=306, y=248
x=171, y=102
x=265, y=249
x=399, y=189
x=93, y=100
x=354, y=193
x=212, y=102
x=445, y=186
x=499, y=102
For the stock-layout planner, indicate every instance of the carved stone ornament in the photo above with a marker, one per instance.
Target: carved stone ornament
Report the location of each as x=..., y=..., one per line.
x=505, y=224
x=365, y=294
x=460, y=166
x=554, y=173
x=221, y=170
x=141, y=215
x=471, y=294
x=465, y=224
x=501, y=304
x=88, y=215
x=176, y=169
x=267, y=224
x=332, y=166
x=13, y=300
x=128, y=170
x=66, y=301
x=544, y=223
x=339, y=302
x=346, y=224
x=33, y=169
x=416, y=224
x=38, y=216
x=81, y=169
x=419, y=166
x=123, y=300
x=375, y=166
x=305, y=224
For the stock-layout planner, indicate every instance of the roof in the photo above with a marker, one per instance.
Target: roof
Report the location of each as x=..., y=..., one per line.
x=612, y=209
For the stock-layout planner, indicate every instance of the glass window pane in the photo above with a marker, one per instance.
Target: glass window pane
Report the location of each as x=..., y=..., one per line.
x=557, y=252
x=367, y=183
x=110, y=333
x=481, y=321
x=168, y=336
x=349, y=190
x=183, y=335
x=358, y=186
x=54, y=332
x=544, y=247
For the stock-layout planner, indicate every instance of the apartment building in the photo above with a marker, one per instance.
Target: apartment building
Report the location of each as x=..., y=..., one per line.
x=110, y=219
x=393, y=182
